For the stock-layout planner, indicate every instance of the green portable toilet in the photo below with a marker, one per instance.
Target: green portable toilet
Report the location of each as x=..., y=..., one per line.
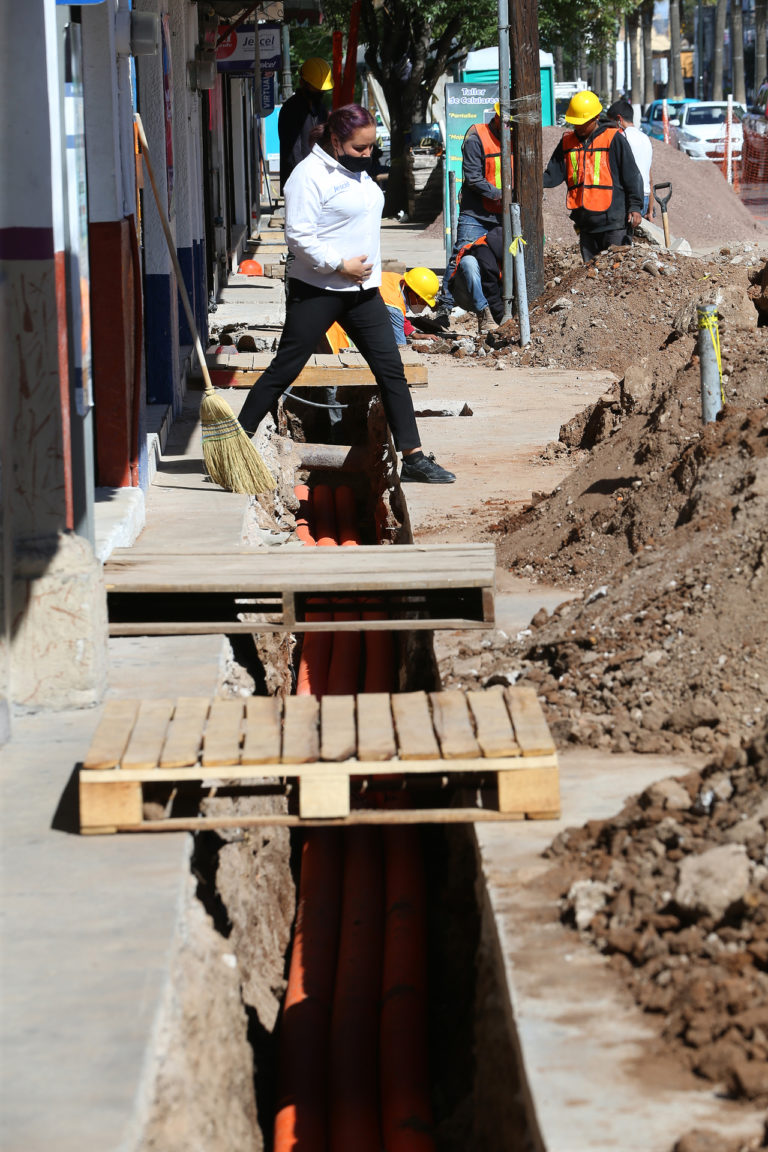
x=482, y=67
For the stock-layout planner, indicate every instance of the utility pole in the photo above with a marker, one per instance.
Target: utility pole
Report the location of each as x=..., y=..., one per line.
x=506, y=157
x=526, y=139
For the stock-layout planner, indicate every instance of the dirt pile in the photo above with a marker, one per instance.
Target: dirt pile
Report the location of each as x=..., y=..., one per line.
x=627, y=305
x=674, y=891
x=662, y=533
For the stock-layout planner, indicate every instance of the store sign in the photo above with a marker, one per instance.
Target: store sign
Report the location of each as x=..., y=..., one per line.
x=236, y=52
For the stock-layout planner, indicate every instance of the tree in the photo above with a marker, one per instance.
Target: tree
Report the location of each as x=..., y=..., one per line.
x=761, y=18
x=676, y=86
x=717, y=63
x=409, y=44
x=737, y=53
x=633, y=27
x=646, y=18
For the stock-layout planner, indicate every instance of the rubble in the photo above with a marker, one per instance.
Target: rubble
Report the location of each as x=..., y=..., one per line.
x=680, y=910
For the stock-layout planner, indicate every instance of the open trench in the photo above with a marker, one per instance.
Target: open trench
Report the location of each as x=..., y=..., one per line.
x=338, y=988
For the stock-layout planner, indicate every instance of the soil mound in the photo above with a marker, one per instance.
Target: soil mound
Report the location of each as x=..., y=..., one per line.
x=662, y=532
x=626, y=305
x=674, y=890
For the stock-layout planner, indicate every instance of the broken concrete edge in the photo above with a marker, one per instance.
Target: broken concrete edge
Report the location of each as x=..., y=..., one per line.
x=590, y=1065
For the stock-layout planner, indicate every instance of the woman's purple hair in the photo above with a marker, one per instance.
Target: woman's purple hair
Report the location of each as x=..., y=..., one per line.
x=343, y=122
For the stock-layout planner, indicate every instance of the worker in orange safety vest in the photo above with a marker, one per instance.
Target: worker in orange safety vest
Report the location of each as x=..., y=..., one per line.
x=412, y=291
x=605, y=188
x=480, y=198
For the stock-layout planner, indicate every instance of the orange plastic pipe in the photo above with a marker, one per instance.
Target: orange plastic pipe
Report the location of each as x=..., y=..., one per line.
x=344, y=672
x=405, y=1100
x=303, y=531
x=324, y=515
x=314, y=664
x=301, y=1114
x=353, y=1054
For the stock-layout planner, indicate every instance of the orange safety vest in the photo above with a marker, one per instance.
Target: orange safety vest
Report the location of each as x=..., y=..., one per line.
x=463, y=251
x=492, y=156
x=391, y=290
x=588, y=171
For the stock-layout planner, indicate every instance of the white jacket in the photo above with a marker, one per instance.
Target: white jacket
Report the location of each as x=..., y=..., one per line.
x=331, y=215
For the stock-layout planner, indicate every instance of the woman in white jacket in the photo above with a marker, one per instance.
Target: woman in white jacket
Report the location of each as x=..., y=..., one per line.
x=332, y=228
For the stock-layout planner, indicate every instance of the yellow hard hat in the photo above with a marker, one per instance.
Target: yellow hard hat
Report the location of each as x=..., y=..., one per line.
x=497, y=108
x=424, y=282
x=584, y=106
x=317, y=73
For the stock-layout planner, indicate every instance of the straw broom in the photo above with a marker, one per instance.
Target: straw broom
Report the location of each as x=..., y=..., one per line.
x=230, y=457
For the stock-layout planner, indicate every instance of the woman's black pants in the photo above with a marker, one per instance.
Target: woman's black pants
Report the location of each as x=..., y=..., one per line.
x=363, y=315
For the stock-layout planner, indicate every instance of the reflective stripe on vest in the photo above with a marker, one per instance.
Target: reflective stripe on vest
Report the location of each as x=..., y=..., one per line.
x=492, y=157
x=588, y=171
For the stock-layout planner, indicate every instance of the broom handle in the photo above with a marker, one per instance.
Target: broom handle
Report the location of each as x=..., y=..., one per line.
x=174, y=258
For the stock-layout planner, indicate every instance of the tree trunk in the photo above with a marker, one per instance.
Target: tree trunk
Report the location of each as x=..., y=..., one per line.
x=581, y=60
x=646, y=16
x=676, y=87
x=717, y=62
x=558, y=54
x=525, y=83
x=761, y=19
x=633, y=23
x=737, y=53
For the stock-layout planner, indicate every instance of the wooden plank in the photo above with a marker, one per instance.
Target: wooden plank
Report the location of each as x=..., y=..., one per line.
x=452, y=723
x=338, y=737
x=534, y=790
x=105, y=805
x=407, y=568
x=223, y=627
x=301, y=738
x=323, y=796
x=223, y=733
x=311, y=376
x=185, y=733
x=427, y=767
x=112, y=734
x=263, y=730
x=148, y=736
x=375, y=727
x=416, y=739
x=531, y=729
x=493, y=725
x=358, y=816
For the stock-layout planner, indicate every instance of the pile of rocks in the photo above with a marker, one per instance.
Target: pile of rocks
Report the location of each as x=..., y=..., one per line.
x=674, y=891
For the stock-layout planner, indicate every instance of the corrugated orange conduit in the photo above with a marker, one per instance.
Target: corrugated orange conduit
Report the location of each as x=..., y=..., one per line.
x=375, y=1035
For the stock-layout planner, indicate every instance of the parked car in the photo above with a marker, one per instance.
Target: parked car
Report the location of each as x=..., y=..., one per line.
x=701, y=131
x=652, y=123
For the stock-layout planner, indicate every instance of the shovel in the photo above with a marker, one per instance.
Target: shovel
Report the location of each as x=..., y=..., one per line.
x=663, y=201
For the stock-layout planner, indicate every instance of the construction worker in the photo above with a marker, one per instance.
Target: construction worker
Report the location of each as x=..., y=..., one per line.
x=605, y=188
x=301, y=113
x=480, y=198
x=411, y=292
x=476, y=281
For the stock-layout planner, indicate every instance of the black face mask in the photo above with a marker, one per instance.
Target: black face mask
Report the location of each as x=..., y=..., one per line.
x=355, y=163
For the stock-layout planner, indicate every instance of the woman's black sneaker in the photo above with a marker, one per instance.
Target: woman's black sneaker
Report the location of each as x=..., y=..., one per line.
x=425, y=470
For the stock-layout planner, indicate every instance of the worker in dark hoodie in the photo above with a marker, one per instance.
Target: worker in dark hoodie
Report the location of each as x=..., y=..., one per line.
x=605, y=188
x=476, y=281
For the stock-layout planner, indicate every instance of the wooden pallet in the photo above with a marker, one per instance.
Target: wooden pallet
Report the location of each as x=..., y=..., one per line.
x=323, y=754
x=411, y=587
x=347, y=369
